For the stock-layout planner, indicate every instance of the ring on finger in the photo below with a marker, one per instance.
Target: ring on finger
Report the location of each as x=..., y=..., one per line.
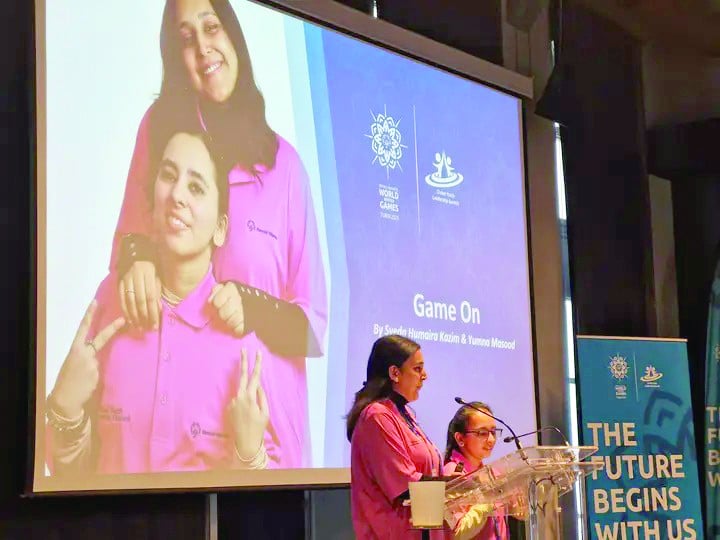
x=129, y=291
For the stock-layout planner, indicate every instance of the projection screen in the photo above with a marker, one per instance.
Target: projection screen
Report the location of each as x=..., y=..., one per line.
x=293, y=180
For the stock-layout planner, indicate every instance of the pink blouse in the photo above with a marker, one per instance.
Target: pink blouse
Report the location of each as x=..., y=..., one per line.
x=164, y=394
x=387, y=452
x=272, y=244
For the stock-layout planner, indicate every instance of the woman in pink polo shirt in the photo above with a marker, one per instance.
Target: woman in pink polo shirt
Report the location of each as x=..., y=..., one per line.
x=388, y=447
x=179, y=397
x=270, y=272
x=471, y=438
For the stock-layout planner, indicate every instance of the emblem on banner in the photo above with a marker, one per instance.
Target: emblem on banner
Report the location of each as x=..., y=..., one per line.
x=386, y=141
x=445, y=175
x=619, y=370
x=651, y=377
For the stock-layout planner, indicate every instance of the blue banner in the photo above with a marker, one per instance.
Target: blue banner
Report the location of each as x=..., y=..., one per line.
x=635, y=407
x=712, y=408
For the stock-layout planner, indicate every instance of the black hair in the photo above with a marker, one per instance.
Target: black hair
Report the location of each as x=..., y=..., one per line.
x=164, y=124
x=238, y=127
x=392, y=350
x=459, y=424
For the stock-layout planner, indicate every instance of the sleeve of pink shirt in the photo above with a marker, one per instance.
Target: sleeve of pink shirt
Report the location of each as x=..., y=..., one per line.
x=135, y=209
x=388, y=459
x=306, y=274
x=449, y=468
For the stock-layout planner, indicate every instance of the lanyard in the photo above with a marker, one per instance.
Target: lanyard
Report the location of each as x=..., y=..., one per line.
x=415, y=428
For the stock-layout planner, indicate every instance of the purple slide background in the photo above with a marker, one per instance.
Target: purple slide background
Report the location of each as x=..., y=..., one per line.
x=474, y=250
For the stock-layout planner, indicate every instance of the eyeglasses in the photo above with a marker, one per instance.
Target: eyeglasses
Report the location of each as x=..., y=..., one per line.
x=485, y=433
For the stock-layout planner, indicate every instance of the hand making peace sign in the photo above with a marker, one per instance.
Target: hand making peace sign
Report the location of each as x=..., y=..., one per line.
x=249, y=409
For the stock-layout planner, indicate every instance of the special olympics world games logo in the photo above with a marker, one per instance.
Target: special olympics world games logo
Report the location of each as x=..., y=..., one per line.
x=386, y=141
x=618, y=367
x=619, y=370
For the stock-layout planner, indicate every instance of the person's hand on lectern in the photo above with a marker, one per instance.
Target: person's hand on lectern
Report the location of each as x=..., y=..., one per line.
x=79, y=375
x=249, y=411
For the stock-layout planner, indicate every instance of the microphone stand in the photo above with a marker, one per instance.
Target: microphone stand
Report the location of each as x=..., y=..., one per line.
x=546, y=428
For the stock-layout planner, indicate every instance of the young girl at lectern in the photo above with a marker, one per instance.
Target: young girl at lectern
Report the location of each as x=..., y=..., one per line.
x=471, y=438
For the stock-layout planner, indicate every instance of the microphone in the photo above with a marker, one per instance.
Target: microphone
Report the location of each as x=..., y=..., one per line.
x=547, y=428
x=514, y=437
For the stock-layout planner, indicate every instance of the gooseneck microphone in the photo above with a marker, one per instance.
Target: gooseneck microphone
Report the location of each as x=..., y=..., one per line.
x=514, y=437
x=546, y=428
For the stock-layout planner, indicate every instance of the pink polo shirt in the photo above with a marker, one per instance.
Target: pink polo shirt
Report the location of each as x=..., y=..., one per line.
x=273, y=245
x=386, y=454
x=495, y=527
x=163, y=395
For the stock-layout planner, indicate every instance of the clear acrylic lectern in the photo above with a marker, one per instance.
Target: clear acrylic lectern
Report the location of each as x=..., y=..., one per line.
x=527, y=483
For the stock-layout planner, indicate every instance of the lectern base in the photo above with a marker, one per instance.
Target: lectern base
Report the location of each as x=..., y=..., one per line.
x=425, y=531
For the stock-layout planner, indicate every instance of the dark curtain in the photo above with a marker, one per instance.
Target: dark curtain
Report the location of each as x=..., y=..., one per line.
x=596, y=93
x=267, y=514
x=687, y=155
x=472, y=27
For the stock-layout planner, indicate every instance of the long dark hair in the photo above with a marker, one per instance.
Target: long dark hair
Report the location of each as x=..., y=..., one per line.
x=459, y=424
x=238, y=127
x=392, y=350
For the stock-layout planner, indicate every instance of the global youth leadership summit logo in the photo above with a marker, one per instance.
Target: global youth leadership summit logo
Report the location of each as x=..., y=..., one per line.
x=445, y=175
x=386, y=141
x=651, y=377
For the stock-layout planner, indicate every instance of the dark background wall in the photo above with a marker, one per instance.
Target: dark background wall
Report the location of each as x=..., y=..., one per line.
x=595, y=92
x=686, y=154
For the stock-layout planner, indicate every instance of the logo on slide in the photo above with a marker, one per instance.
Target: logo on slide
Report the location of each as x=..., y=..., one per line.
x=445, y=175
x=386, y=141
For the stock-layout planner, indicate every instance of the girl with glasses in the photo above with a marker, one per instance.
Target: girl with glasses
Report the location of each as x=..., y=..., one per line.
x=471, y=438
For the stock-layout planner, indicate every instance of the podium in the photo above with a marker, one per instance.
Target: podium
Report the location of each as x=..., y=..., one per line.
x=526, y=484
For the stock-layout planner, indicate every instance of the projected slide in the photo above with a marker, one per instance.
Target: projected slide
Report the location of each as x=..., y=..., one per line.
x=233, y=205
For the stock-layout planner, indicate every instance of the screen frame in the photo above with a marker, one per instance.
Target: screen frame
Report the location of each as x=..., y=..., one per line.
x=324, y=13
